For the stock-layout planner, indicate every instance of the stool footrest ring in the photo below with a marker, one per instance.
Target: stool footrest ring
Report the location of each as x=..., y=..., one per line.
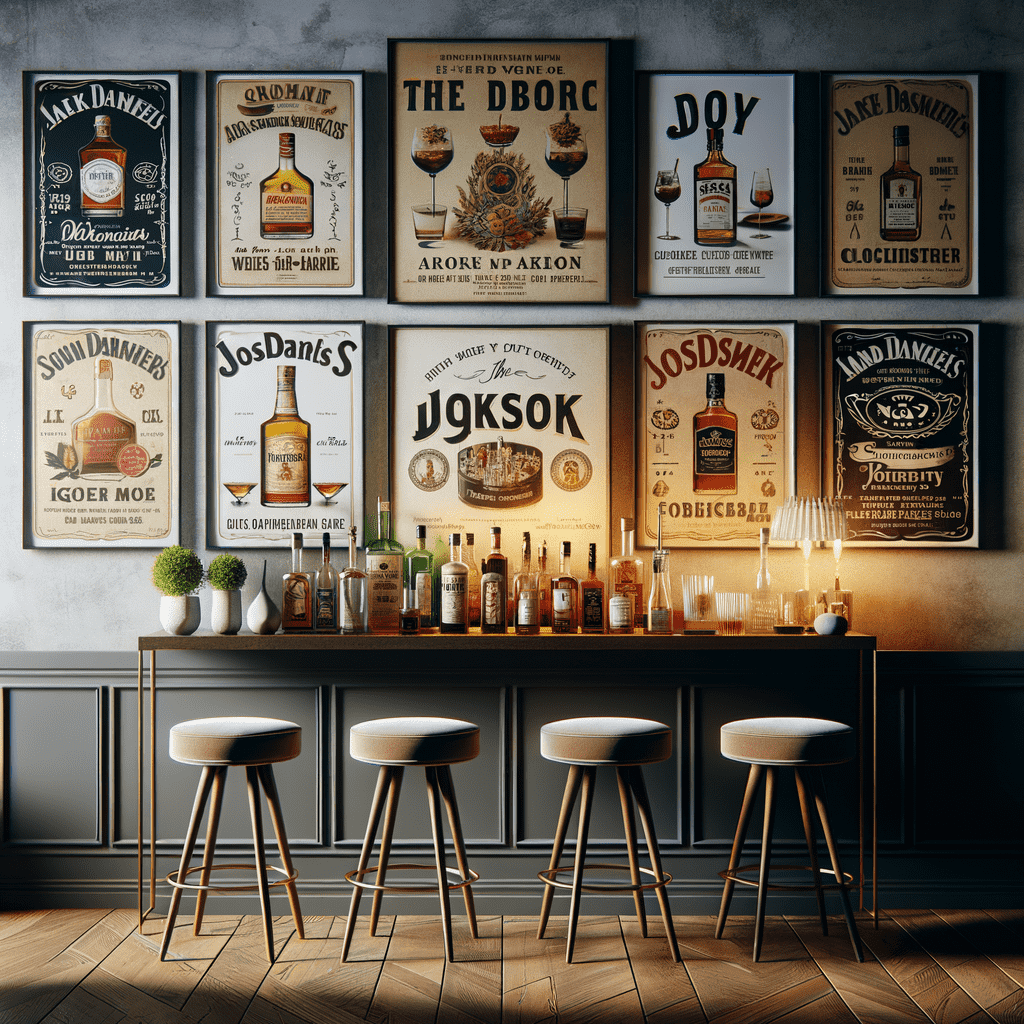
x=172, y=878
x=736, y=876
x=549, y=877
x=356, y=878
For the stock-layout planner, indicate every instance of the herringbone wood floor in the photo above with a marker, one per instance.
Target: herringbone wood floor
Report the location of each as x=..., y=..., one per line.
x=91, y=967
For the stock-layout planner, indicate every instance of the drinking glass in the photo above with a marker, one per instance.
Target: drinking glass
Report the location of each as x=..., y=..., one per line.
x=570, y=226
x=666, y=190
x=328, y=491
x=238, y=492
x=565, y=152
x=761, y=195
x=733, y=610
x=432, y=151
x=699, y=612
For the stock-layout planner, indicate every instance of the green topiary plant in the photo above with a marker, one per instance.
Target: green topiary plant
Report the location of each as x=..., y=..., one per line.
x=227, y=572
x=177, y=571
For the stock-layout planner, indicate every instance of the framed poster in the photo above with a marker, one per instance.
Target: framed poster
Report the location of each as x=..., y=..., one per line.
x=716, y=424
x=902, y=439
x=285, y=183
x=285, y=436
x=716, y=188
x=499, y=170
x=101, y=434
x=102, y=183
x=502, y=427
x=902, y=187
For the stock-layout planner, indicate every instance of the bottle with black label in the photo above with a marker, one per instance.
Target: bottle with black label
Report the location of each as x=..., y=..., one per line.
x=714, y=442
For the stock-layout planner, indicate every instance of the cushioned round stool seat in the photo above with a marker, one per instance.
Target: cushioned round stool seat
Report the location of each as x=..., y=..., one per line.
x=414, y=741
x=235, y=741
x=615, y=741
x=788, y=741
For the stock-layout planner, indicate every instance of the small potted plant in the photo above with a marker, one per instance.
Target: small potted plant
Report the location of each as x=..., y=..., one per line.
x=178, y=574
x=226, y=575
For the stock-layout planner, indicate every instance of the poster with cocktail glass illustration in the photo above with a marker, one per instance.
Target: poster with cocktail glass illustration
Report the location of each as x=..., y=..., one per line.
x=715, y=184
x=285, y=435
x=286, y=183
x=499, y=170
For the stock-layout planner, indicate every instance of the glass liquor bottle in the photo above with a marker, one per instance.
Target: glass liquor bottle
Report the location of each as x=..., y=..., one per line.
x=419, y=576
x=494, y=588
x=659, y=604
x=592, y=596
x=454, y=589
x=286, y=196
x=409, y=614
x=901, y=193
x=714, y=196
x=297, y=594
x=353, y=607
x=384, y=557
x=565, y=595
x=469, y=557
x=763, y=610
x=284, y=449
x=99, y=435
x=327, y=593
x=524, y=589
x=714, y=442
x=543, y=586
x=101, y=174
x=627, y=574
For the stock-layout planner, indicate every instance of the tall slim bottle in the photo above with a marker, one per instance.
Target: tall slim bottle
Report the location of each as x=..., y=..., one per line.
x=469, y=557
x=297, y=594
x=419, y=577
x=353, y=606
x=454, y=589
x=659, y=604
x=524, y=589
x=565, y=595
x=327, y=593
x=494, y=588
x=627, y=574
x=543, y=586
x=384, y=557
x=284, y=449
x=592, y=596
x=763, y=612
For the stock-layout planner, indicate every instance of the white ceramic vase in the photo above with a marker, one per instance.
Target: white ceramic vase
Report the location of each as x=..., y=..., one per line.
x=180, y=616
x=263, y=616
x=226, y=612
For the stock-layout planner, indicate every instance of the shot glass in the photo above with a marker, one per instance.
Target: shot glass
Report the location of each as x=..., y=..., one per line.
x=699, y=612
x=570, y=226
x=428, y=222
x=732, y=609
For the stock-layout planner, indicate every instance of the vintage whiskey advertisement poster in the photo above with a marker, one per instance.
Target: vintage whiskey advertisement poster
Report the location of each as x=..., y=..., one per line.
x=285, y=444
x=101, y=434
x=502, y=428
x=902, y=184
x=715, y=430
x=101, y=184
x=716, y=197
x=499, y=173
x=904, y=431
x=286, y=183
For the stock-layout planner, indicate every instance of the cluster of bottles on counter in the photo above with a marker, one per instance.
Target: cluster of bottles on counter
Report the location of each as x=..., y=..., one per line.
x=405, y=592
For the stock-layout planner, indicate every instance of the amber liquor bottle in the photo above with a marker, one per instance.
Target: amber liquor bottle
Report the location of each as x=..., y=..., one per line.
x=286, y=197
x=901, y=193
x=714, y=442
x=627, y=576
x=524, y=587
x=565, y=595
x=297, y=596
x=284, y=449
x=104, y=430
x=101, y=175
x=714, y=196
x=592, y=596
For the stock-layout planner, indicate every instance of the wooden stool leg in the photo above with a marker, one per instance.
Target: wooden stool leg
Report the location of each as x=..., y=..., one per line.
x=833, y=852
x=216, y=801
x=444, y=777
x=747, y=807
x=812, y=847
x=766, y=859
x=383, y=779
x=643, y=804
x=266, y=775
x=572, y=788
x=202, y=794
x=437, y=828
x=629, y=827
x=390, y=813
x=586, y=805
x=252, y=783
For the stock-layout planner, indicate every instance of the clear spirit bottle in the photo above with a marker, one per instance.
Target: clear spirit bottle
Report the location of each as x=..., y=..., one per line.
x=327, y=593
x=627, y=574
x=353, y=607
x=565, y=595
x=469, y=557
x=284, y=449
x=592, y=596
x=297, y=594
x=286, y=196
x=524, y=589
x=659, y=604
x=543, y=586
x=384, y=557
x=454, y=589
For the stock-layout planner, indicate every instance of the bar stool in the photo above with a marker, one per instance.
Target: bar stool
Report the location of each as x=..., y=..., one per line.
x=767, y=744
x=624, y=744
x=394, y=744
x=217, y=744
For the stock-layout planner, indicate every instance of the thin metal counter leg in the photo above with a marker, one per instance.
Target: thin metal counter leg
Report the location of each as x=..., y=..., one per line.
x=572, y=788
x=138, y=808
x=152, y=781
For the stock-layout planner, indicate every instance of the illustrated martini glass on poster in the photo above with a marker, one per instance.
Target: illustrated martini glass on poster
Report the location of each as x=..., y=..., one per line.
x=432, y=151
x=565, y=153
x=238, y=492
x=330, y=491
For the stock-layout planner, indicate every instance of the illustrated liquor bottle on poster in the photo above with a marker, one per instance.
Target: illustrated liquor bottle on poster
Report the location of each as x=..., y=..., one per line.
x=102, y=184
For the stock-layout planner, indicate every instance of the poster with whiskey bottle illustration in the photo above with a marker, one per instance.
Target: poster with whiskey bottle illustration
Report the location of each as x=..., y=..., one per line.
x=715, y=184
x=102, y=205
x=901, y=408
x=101, y=434
x=716, y=441
x=285, y=432
x=901, y=189
x=499, y=170
x=502, y=428
x=285, y=183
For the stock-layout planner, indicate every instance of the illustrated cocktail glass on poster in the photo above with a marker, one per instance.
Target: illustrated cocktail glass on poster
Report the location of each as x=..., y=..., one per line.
x=432, y=151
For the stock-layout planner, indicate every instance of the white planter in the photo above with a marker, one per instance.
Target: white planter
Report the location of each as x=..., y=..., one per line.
x=226, y=612
x=180, y=616
x=263, y=616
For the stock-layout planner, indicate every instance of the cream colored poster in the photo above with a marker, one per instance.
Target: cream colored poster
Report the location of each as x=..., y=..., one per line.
x=101, y=437
x=715, y=431
x=499, y=177
x=902, y=166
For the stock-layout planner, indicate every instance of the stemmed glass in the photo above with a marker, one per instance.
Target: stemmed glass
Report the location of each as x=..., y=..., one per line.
x=238, y=492
x=432, y=151
x=565, y=152
x=761, y=195
x=666, y=189
x=328, y=491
